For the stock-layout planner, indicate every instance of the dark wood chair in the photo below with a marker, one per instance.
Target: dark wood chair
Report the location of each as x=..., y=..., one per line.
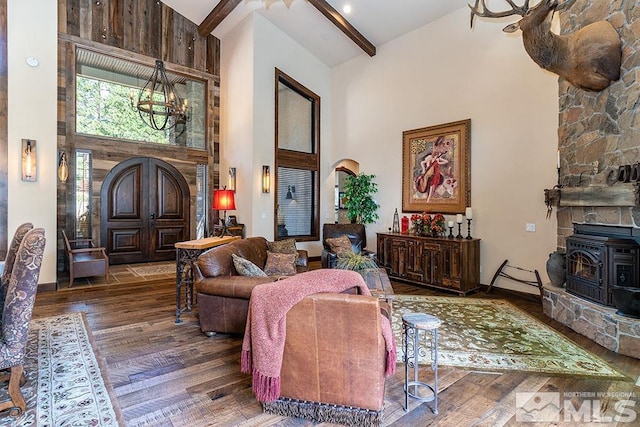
x=85, y=259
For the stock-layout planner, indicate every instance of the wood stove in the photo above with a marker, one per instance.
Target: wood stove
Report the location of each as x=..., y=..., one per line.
x=596, y=263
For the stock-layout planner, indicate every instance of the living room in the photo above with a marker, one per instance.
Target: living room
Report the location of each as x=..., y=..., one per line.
x=439, y=73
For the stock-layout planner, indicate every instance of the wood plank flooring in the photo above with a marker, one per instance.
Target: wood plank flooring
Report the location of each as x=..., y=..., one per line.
x=173, y=375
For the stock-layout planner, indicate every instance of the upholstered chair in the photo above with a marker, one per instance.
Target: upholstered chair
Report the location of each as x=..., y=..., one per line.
x=11, y=256
x=16, y=315
x=356, y=234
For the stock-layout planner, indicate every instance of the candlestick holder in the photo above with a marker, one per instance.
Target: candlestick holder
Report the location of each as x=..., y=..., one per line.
x=459, y=236
x=450, y=233
x=469, y=229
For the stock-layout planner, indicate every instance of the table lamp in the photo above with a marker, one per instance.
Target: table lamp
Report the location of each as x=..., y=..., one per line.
x=224, y=200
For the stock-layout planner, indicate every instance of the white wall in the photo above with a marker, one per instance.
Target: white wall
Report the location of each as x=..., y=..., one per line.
x=445, y=72
x=32, y=114
x=249, y=56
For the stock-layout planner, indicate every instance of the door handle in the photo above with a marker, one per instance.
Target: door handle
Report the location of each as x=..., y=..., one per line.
x=153, y=216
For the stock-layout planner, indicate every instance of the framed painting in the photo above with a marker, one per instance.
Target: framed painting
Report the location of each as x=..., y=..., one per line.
x=436, y=168
x=341, y=200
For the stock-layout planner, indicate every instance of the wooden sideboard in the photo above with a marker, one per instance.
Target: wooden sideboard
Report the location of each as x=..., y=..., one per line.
x=437, y=262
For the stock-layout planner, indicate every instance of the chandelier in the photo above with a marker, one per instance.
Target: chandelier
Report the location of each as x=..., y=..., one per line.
x=159, y=104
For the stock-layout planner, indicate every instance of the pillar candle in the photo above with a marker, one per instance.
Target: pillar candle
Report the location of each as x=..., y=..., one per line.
x=404, y=229
x=459, y=218
x=468, y=213
x=450, y=224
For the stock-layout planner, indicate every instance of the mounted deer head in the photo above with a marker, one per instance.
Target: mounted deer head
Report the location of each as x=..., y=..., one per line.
x=589, y=58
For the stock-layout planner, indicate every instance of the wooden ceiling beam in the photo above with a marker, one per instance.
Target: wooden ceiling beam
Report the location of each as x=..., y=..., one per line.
x=345, y=26
x=225, y=7
x=216, y=16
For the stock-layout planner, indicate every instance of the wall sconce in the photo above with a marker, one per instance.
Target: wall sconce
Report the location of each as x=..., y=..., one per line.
x=232, y=179
x=266, y=179
x=29, y=166
x=63, y=167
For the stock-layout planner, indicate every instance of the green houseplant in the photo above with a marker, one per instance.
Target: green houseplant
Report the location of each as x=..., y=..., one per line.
x=358, y=198
x=355, y=262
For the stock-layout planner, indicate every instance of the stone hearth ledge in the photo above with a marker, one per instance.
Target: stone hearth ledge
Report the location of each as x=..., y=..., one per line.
x=601, y=324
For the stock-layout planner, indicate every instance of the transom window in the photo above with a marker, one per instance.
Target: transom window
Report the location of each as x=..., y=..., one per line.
x=104, y=88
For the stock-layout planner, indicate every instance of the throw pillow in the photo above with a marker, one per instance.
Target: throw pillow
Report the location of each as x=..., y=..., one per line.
x=280, y=264
x=244, y=267
x=287, y=246
x=340, y=245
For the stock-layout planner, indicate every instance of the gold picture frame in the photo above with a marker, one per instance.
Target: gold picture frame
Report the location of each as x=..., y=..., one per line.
x=436, y=168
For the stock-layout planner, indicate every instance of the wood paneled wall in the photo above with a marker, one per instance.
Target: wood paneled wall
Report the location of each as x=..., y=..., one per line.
x=141, y=31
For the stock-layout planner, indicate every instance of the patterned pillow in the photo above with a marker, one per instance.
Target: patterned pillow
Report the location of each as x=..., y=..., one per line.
x=287, y=246
x=280, y=264
x=340, y=244
x=244, y=267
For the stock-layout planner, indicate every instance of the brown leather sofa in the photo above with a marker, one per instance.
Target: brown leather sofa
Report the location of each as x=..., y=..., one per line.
x=222, y=294
x=333, y=369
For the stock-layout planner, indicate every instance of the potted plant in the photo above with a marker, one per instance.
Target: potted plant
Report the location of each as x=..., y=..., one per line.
x=355, y=261
x=358, y=198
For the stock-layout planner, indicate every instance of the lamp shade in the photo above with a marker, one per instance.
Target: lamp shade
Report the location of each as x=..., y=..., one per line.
x=224, y=200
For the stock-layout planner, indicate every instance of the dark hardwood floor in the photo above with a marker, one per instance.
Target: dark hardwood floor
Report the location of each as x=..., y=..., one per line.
x=173, y=375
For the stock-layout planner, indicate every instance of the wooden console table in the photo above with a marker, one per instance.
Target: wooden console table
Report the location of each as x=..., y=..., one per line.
x=186, y=254
x=437, y=262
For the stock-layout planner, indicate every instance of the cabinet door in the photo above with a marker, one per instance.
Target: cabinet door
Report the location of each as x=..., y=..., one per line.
x=451, y=273
x=415, y=260
x=398, y=265
x=432, y=263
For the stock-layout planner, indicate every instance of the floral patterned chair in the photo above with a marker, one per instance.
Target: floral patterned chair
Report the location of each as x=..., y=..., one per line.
x=11, y=257
x=16, y=315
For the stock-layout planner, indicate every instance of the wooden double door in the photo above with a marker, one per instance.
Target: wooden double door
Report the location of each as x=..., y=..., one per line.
x=144, y=211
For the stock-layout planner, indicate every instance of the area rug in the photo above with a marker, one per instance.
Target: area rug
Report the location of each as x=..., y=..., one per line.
x=153, y=270
x=65, y=384
x=495, y=335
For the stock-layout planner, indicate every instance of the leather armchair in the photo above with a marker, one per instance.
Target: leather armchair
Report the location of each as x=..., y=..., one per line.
x=326, y=374
x=356, y=233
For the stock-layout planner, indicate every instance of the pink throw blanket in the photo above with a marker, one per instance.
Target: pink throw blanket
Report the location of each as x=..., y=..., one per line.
x=263, y=344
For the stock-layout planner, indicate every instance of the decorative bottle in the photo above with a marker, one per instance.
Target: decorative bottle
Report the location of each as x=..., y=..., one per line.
x=396, y=222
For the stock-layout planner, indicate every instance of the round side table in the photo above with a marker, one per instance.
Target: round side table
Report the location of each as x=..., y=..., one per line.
x=419, y=337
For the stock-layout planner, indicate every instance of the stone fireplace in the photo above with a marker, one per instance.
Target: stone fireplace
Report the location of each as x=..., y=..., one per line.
x=598, y=133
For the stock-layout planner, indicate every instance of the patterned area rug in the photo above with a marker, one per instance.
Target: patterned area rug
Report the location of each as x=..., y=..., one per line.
x=494, y=335
x=153, y=270
x=65, y=386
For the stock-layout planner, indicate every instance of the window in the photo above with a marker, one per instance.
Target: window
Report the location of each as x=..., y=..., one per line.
x=83, y=195
x=297, y=160
x=104, y=87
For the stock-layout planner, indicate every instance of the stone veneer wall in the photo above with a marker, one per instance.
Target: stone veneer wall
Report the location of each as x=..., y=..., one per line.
x=600, y=131
x=596, y=322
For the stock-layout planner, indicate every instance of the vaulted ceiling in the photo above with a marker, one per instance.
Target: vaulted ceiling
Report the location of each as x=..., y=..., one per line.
x=321, y=26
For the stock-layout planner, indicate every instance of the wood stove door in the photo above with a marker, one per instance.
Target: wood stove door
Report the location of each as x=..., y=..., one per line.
x=583, y=265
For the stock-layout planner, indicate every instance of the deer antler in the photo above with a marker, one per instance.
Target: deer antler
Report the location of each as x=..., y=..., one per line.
x=567, y=4
x=481, y=9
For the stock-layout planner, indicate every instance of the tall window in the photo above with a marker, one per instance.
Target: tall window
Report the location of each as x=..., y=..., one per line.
x=297, y=160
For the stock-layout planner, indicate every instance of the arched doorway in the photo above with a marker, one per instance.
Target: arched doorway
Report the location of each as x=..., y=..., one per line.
x=144, y=212
x=343, y=168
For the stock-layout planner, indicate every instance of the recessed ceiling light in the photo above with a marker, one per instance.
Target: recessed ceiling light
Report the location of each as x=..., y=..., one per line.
x=346, y=8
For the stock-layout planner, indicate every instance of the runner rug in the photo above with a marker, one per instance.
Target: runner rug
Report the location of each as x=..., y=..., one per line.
x=65, y=381
x=495, y=335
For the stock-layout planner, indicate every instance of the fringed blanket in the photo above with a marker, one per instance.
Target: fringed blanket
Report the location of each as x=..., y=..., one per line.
x=263, y=345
